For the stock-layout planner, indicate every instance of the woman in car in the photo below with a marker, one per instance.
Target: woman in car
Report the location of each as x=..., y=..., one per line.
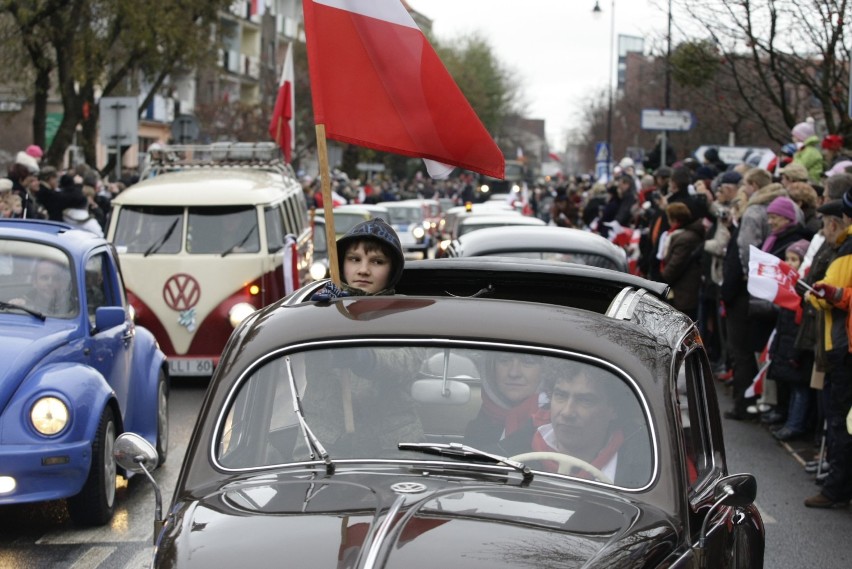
x=511, y=398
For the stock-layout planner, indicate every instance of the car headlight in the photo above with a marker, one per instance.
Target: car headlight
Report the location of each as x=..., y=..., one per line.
x=418, y=232
x=240, y=312
x=49, y=416
x=319, y=270
x=444, y=244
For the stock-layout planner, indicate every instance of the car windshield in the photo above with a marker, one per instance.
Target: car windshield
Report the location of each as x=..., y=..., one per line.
x=405, y=215
x=343, y=222
x=36, y=277
x=222, y=230
x=589, y=259
x=149, y=230
x=560, y=415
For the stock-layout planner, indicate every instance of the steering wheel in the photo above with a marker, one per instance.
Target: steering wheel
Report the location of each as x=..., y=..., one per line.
x=566, y=462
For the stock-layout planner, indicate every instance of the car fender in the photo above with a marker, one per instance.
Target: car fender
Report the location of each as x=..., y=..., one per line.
x=83, y=390
x=148, y=360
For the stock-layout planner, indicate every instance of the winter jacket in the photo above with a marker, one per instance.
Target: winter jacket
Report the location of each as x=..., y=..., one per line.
x=838, y=325
x=682, y=266
x=810, y=157
x=754, y=227
x=788, y=236
x=788, y=363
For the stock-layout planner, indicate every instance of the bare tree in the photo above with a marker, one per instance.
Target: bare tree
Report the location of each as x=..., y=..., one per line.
x=784, y=57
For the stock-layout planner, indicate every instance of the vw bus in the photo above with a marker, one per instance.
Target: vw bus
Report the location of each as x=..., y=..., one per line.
x=209, y=237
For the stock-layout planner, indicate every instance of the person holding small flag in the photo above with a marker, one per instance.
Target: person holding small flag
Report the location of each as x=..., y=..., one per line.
x=833, y=295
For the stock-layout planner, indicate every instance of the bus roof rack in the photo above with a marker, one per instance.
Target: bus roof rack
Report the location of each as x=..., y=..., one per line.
x=162, y=158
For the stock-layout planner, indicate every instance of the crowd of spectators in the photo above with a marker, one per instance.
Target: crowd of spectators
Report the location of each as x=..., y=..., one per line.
x=77, y=196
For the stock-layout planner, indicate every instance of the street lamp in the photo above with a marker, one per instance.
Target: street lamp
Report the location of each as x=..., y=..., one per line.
x=597, y=10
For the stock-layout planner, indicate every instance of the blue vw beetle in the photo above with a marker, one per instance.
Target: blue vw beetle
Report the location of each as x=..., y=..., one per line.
x=75, y=371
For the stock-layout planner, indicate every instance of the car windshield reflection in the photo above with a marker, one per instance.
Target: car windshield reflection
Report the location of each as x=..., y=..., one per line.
x=562, y=416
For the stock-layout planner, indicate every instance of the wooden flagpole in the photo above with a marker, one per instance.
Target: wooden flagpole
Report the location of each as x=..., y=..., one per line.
x=327, y=204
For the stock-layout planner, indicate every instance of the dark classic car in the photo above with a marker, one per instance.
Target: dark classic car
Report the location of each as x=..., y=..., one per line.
x=76, y=370
x=491, y=414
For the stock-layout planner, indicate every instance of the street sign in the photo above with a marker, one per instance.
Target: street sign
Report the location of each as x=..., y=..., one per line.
x=119, y=118
x=185, y=129
x=658, y=119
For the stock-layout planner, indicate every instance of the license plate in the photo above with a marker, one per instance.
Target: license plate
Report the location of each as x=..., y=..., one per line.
x=191, y=366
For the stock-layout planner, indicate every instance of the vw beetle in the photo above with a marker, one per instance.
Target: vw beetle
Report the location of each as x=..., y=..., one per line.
x=368, y=432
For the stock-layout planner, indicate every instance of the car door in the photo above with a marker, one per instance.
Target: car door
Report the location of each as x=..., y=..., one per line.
x=112, y=348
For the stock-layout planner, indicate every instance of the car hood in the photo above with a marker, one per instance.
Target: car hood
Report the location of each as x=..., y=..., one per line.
x=20, y=346
x=411, y=522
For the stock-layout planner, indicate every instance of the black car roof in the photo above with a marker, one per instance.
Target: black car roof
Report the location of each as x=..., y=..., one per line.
x=510, y=278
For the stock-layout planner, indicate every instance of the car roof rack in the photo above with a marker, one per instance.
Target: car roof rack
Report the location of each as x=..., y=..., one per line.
x=263, y=156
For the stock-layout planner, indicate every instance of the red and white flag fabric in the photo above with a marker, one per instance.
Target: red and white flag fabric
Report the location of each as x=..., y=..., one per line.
x=772, y=279
x=756, y=387
x=377, y=82
x=282, y=126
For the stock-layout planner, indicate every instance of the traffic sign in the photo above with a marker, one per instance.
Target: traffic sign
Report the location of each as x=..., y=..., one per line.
x=658, y=119
x=185, y=129
x=119, y=117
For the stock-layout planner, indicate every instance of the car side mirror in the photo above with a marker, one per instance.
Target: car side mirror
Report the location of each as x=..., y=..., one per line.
x=135, y=454
x=107, y=317
x=736, y=490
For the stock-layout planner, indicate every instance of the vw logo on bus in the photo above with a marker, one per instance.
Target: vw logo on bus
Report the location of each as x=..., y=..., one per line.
x=181, y=292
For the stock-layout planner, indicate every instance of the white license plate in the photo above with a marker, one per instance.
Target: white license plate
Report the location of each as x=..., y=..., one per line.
x=190, y=366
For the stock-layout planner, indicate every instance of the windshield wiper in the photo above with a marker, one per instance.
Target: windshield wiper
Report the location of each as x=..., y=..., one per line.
x=9, y=306
x=311, y=441
x=157, y=244
x=242, y=242
x=464, y=451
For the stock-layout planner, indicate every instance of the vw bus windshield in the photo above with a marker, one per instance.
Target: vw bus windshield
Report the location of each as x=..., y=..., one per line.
x=149, y=230
x=222, y=230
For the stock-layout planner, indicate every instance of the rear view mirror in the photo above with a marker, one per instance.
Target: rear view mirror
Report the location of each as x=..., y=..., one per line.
x=434, y=391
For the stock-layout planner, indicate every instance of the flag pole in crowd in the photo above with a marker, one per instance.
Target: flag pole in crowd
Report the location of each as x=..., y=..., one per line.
x=377, y=82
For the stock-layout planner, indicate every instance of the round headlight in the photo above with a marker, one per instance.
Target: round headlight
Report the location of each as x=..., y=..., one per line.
x=418, y=232
x=240, y=312
x=49, y=416
x=319, y=270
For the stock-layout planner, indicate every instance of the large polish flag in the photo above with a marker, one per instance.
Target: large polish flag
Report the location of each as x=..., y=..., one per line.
x=772, y=279
x=377, y=82
x=282, y=126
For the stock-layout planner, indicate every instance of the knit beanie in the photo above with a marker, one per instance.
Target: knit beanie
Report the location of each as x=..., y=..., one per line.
x=783, y=206
x=804, y=130
x=799, y=247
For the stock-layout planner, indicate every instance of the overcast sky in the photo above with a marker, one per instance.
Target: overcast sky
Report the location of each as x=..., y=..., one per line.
x=558, y=48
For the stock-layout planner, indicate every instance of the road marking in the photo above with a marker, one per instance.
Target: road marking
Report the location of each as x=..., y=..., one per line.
x=93, y=557
x=142, y=559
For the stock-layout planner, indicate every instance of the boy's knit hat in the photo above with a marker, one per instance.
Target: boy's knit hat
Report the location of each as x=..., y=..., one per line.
x=783, y=206
x=377, y=229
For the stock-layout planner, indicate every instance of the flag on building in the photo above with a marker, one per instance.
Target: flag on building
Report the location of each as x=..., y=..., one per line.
x=772, y=279
x=282, y=127
x=377, y=82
